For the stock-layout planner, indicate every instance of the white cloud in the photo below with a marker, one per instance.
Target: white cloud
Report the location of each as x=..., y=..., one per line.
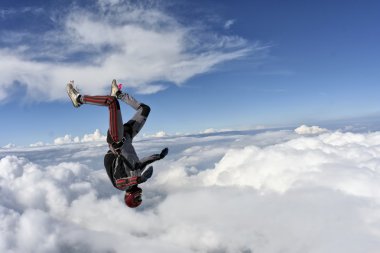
x=209, y=130
x=304, y=129
x=96, y=136
x=67, y=139
x=119, y=40
x=9, y=145
x=64, y=140
x=229, y=23
x=234, y=192
x=38, y=144
x=159, y=134
x=213, y=130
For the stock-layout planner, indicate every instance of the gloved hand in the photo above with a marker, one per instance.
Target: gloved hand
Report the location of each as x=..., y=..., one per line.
x=146, y=174
x=164, y=152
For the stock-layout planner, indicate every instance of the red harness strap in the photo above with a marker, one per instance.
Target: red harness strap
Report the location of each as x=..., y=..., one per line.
x=125, y=182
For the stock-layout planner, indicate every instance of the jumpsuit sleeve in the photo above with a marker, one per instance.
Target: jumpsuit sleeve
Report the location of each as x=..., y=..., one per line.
x=150, y=159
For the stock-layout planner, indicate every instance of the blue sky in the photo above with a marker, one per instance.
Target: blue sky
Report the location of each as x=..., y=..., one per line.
x=198, y=64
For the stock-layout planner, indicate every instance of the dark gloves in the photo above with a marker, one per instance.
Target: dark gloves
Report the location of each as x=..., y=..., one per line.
x=164, y=152
x=146, y=174
x=149, y=171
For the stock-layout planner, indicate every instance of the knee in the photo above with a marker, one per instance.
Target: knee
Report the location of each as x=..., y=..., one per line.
x=113, y=101
x=145, y=110
x=128, y=128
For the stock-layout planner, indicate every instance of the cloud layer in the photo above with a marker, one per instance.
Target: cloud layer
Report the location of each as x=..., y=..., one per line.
x=142, y=45
x=261, y=191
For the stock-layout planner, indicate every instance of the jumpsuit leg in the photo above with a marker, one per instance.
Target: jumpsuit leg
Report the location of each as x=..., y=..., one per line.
x=115, y=119
x=136, y=123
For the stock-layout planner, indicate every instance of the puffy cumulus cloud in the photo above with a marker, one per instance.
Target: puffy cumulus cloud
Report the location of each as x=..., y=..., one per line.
x=96, y=136
x=248, y=191
x=333, y=160
x=243, y=220
x=11, y=167
x=309, y=130
x=287, y=189
x=35, y=201
x=67, y=139
x=113, y=39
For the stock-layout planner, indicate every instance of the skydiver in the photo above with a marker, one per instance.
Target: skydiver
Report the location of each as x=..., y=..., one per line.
x=121, y=162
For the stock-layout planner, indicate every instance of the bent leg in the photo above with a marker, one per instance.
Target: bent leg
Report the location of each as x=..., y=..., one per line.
x=115, y=119
x=136, y=123
x=138, y=120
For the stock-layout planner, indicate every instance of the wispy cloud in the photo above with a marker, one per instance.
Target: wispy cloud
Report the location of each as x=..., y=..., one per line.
x=229, y=23
x=10, y=12
x=141, y=45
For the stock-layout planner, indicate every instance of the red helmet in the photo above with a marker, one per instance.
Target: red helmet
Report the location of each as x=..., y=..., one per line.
x=132, y=197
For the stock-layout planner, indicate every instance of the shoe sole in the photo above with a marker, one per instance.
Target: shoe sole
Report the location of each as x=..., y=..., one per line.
x=68, y=90
x=114, y=86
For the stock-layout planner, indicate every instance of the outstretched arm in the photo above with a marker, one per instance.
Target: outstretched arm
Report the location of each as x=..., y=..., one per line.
x=137, y=177
x=149, y=159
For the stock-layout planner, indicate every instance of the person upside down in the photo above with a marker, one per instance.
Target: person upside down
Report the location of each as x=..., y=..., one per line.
x=123, y=166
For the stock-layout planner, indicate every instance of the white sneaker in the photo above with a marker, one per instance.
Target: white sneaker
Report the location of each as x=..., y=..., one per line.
x=114, y=88
x=73, y=93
